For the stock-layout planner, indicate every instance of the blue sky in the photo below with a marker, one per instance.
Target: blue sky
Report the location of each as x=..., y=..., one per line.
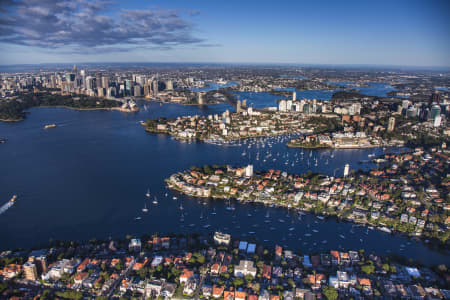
x=405, y=33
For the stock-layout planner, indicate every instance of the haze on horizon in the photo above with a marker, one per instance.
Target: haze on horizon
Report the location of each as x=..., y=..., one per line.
x=402, y=33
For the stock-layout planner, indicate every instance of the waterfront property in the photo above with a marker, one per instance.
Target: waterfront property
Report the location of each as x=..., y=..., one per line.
x=406, y=195
x=193, y=266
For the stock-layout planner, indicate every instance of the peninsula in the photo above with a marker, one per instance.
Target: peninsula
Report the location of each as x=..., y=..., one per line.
x=407, y=195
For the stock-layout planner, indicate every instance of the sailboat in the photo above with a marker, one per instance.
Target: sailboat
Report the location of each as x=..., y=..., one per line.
x=155, y=201
x=148, y=193
x=145, y=209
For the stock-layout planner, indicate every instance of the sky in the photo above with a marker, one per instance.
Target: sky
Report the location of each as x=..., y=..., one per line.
x=401, y=33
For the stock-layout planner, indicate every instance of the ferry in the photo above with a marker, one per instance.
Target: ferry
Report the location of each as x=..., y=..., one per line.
x=2, y=140
x=8, y=204
x=49, y=126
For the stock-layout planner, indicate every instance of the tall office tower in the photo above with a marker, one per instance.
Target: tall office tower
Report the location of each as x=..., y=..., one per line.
x=244, y=103
x=391, y=124
x=294, y=95
x=405, y=104
x=289, y=105
x=435, y=111
x=70, y=77
x=147, y=90
x=89, y=83
x=128, y=87
x=83, y=78
x=100, y=92
x=437, y=121
x=105, y=82
x=53, y=81
x=346, y=170
x=30, y=271
x=169, y=85
x=238, y=106
x=435, y=98
x=201, y=98
x=155, y=87
x=137, y=91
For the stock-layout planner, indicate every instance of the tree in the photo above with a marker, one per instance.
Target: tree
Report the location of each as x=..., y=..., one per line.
x=330, y=292
x=368, y=268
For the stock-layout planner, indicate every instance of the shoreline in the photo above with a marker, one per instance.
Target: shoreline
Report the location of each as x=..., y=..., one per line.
x=436, y=245
x=117, y=108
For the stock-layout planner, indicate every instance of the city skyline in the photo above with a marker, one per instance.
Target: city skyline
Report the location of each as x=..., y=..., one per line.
x=412, y=33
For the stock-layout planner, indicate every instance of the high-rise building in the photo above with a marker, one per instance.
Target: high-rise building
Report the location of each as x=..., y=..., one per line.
x=90, y=83
x=435, y=111
x=238, y=106
x=100, y=92
x=437, y=121
x=249, y=171
x=147, y=90
x=128, y=87
x=282, y=105
x=391, y=124
x=201, y=98
x=169, y=85
x=435, y=98
x=105, y=82
x=346, y=170
x=289, y=105
x=155, y=87
x=137, y=91
x=294, y=95
x=30, y=271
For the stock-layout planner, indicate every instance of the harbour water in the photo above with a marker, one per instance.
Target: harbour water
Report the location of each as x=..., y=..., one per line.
x=88, y=178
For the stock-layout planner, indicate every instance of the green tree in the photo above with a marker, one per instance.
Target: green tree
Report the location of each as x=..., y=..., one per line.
x=330, y=292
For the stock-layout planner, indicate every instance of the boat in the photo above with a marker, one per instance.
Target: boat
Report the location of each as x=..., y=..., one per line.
x=49, y=126
x=155, y=201
x=147, y=194
x=137, y=218
x=145, y=209
x=342, y=236
x=2, y=140
x=8, y=204
x=321, y=217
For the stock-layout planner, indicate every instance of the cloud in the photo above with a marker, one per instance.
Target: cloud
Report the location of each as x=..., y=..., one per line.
x=85, y=26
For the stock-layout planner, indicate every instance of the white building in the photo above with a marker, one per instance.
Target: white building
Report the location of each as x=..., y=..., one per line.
x=249, y=171
x=346, y=170
x=244, y=268
x=135, y=245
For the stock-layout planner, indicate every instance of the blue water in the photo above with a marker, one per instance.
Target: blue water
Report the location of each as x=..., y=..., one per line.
x=378, y=89
x=87, y=178
x=214, y=86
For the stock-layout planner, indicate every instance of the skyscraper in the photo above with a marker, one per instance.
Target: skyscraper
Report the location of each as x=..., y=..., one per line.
x=105, y=82
x=238, y=106
x=155, y=87
x=169, y=85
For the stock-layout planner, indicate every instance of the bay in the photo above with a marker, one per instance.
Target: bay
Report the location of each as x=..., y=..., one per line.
x=88, y=176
